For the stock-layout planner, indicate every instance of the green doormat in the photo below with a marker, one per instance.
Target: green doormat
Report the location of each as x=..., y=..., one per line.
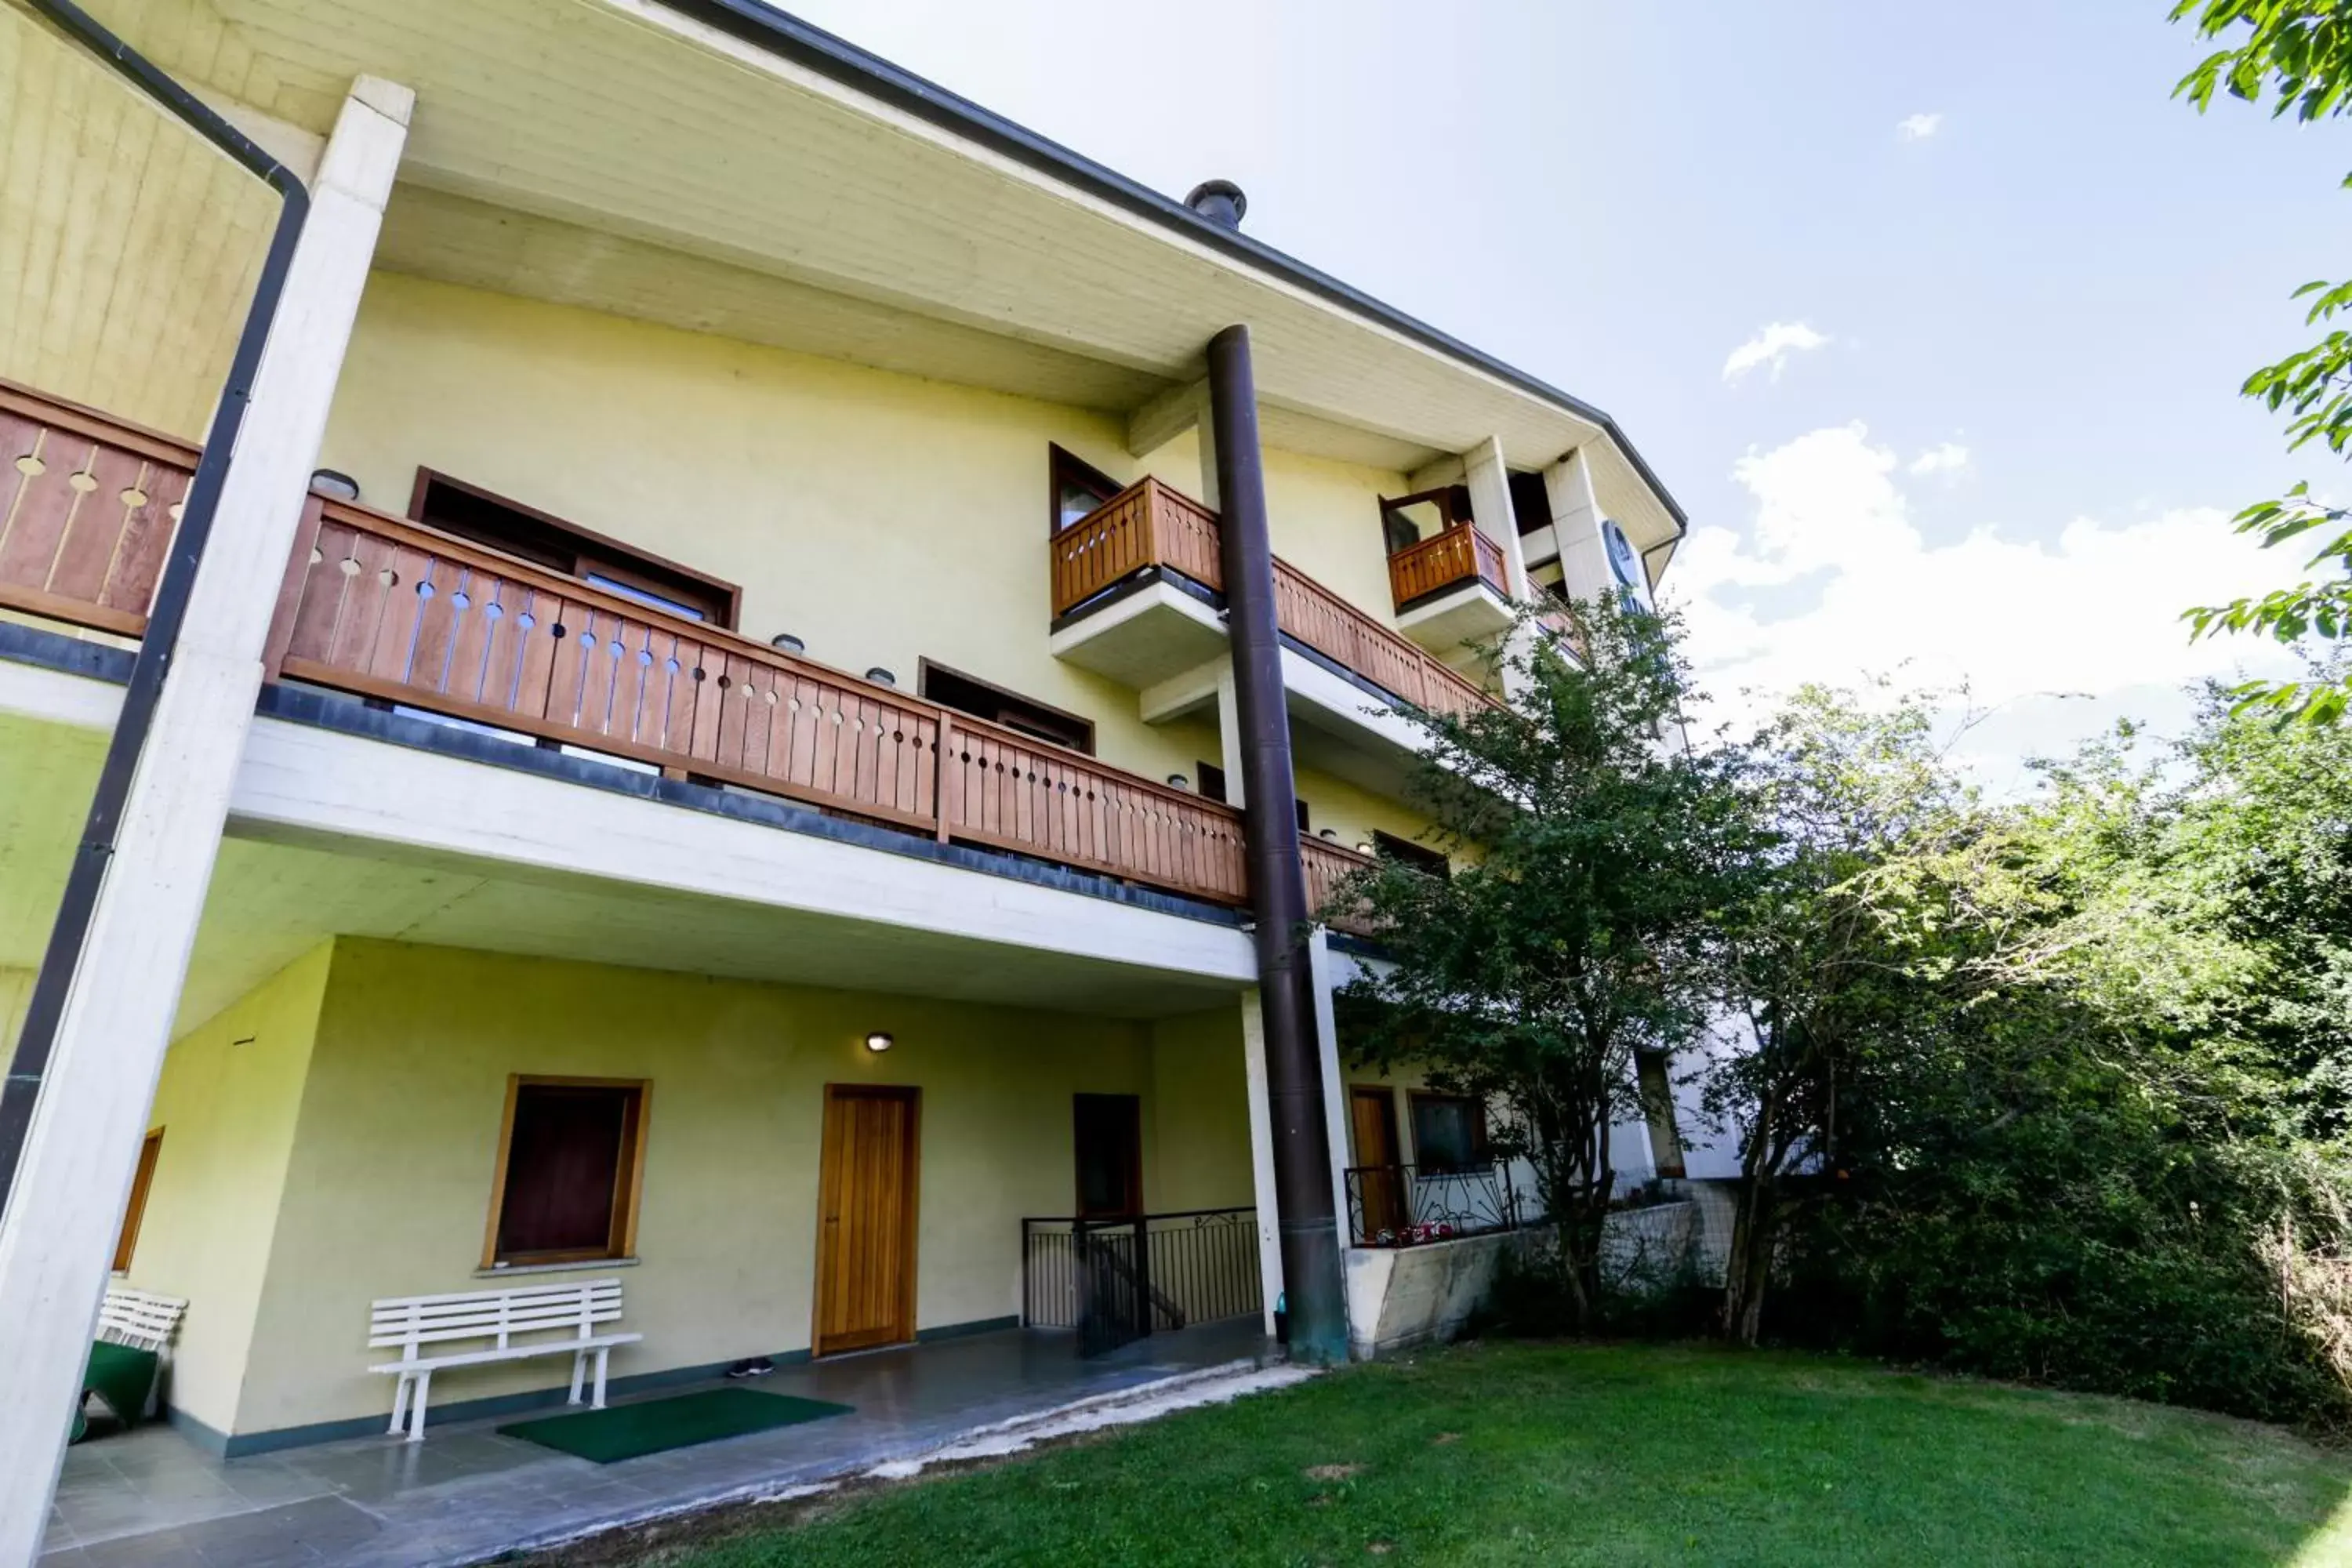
x=656, y=1425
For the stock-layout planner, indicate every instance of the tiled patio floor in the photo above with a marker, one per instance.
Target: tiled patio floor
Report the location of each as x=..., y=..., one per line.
x=147, y=1497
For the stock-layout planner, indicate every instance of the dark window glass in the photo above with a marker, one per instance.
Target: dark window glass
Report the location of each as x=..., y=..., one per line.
x=1213, y=787
x=1530, y=502
x=1079, y=488
x=998, y=705
x=1449, y=1133
x=566, y=1158
x=1419, y=857
x=544, y=541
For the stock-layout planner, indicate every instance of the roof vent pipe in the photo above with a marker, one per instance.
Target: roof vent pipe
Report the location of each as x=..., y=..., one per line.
x=1219, y=201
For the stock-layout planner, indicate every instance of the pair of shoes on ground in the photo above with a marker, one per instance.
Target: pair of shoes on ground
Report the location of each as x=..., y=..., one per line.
x=758, y=1366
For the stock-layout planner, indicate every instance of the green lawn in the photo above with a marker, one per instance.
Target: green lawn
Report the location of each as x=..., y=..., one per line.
x=1515, y=1454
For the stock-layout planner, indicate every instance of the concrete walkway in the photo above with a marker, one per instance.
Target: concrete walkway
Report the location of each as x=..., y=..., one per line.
x=147, y=1497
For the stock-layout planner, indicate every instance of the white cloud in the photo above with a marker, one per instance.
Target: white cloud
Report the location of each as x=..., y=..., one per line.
x=2093, y=610
x=1949, y=457
x=1771, y=346
x=1918, y=127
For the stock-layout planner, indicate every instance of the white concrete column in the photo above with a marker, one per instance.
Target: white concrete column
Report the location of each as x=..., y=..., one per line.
x=1261, y=1119
x=1169, y=415
x=57, y=1236
x=1335, y=1085
x=1575, y=524
x=1490, y=509
x=1229, y=736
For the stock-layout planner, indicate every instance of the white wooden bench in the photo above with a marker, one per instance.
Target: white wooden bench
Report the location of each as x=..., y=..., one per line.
x=480, y=1328
x=139, y=1319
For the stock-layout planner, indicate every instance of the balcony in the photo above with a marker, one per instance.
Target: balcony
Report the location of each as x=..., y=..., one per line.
x=1451, y=588
x=1138, y=591
x=397, y=614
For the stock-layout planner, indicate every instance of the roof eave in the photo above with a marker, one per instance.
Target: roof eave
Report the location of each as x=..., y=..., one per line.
x=786, y=36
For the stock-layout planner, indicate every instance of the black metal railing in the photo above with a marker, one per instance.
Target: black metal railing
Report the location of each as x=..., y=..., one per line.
x=1406, y=1205
x=1115, y=1280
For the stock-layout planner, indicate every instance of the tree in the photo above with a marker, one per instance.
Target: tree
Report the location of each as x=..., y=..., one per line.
x=1581, y=930
x=1815, y=970
x=2299, y=53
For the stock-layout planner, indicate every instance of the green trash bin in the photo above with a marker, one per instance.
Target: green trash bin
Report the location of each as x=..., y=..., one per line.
x=122, y=1378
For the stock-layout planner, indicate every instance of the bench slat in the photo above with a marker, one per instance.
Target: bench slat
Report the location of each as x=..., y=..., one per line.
x=517, y=1352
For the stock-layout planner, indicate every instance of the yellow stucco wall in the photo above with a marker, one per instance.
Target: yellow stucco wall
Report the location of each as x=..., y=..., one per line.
x=881, y=517
x=1197, y=1138
x=389, y=1182
x=226, y=1103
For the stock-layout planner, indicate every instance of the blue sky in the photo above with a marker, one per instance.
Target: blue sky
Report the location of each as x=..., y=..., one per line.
x=2006, y=454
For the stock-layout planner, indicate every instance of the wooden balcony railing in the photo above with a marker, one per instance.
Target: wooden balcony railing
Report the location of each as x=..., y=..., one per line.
x=391, y=610
x=1326, y=866
x=1460, y=555
x=1151, y=524
x=86, y=508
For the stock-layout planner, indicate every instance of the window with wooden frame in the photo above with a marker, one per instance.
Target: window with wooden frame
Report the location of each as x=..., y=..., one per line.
x=982, y=699
x=1406, y=521
x=572, y=1166
x=1213, y=787
x=1449, y=1133
x=545, y=540
x=1078, y=489
x=126, y=1241
x=1419, y=857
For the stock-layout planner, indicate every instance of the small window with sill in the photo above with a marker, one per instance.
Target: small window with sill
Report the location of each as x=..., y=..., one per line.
x=969, y=694
x=544, y=540
x=1449, y=1133
x=1078, y=489
x=570, y=1164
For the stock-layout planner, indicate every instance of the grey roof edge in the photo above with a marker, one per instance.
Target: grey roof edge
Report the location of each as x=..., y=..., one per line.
x=779, y=33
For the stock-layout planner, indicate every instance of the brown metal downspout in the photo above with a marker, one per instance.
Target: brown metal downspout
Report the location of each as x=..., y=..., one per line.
x=1312, y=1284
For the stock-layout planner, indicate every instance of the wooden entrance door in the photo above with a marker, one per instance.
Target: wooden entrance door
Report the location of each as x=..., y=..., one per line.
x=865, y=1219
x=1380, y=1178
x=1108, y=1131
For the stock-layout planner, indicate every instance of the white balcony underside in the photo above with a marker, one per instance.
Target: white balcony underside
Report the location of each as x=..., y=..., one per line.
x=337, y=834
x=1447, y=623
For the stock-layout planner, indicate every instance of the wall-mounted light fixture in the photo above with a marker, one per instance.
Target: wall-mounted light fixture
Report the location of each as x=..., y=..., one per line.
x=881, y=677
x=335, y=484
x=788, y=642
x=880, y=1040
x=1363, y=848
x=1178, y=781
x=1332, y=834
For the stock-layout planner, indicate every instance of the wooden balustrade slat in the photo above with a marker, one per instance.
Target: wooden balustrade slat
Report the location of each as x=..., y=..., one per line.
x=86, y=508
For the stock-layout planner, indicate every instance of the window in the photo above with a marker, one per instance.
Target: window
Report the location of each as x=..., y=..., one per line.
x=1419, y=857
x=455, y=507
x=126, y=1241
x=1079, y=488
x=1406, y=521
x=953, y=689
x=1530, y=502
x=1449, y=1133
x=570, y=1161
x=1213, y=787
